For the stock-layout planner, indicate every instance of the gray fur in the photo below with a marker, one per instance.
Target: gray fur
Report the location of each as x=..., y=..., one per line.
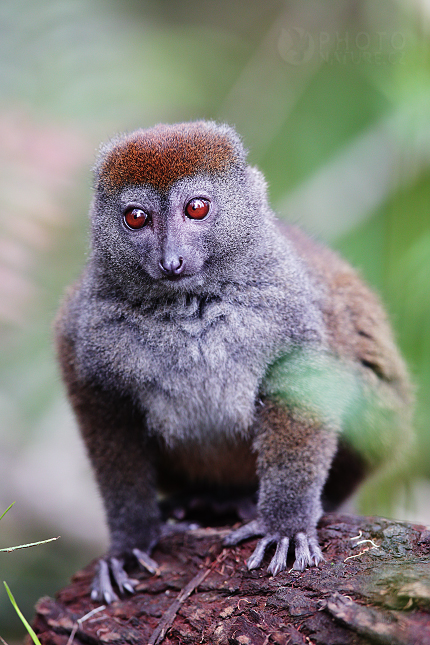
x=232, y=320
x=158, y=367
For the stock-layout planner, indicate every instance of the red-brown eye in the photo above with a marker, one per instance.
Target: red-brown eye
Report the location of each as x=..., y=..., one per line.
x=135, y=218
x=197, y=208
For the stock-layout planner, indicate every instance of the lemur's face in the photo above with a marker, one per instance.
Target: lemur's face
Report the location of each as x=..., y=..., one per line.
x=171, y=204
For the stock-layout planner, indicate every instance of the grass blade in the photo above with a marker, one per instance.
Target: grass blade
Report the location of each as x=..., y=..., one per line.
x=18, y=611
x=8, y=509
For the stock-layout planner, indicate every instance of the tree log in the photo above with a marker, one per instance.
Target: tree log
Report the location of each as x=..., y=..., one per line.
x=374, y=587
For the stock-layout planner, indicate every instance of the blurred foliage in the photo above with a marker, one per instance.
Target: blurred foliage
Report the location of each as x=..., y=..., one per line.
x=333, y=100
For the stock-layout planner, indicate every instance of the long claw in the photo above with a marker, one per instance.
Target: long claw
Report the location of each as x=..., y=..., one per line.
x=279, y=560
x=252, y=529
x=145, y=561
x=121, y=578
x=257, y=556
x=316, y=553
x=308, y=552
x=102, y=587
x=303, y=556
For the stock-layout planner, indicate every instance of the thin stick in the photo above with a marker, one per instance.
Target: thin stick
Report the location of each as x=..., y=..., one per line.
x=9, y=549
x=79, y=622
x=169, y=616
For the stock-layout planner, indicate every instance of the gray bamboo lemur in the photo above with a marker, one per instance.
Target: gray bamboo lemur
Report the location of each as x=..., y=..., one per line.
x=204, y=344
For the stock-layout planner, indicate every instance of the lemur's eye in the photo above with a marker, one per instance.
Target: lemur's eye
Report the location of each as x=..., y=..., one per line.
x=197, y=208
x=136, y=218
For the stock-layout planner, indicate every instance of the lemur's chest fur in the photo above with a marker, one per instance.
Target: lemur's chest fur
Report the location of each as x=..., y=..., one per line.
x=182, y=359
x=194, y=366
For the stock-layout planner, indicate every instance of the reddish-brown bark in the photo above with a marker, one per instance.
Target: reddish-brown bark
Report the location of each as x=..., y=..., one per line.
x=205, y=594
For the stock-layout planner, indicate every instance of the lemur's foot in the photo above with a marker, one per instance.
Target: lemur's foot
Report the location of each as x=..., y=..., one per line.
x=307, y=549
x=111, y=569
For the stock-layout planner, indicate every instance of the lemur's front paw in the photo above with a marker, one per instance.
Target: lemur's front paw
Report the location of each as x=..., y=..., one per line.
x=307, y=550
x=111, y=569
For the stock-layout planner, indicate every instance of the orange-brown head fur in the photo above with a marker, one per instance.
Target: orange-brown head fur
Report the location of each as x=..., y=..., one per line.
x=163, y=154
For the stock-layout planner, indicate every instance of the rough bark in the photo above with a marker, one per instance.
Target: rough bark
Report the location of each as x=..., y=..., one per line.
x=374, y=587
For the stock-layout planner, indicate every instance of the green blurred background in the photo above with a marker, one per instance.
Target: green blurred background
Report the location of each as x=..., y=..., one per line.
x=332, y=99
